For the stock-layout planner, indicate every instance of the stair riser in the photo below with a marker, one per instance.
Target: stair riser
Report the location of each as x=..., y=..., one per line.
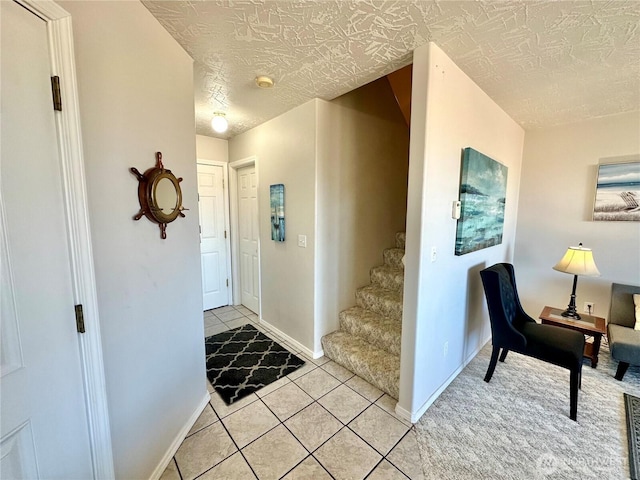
x=393, y=257
x=381, y=306
x=369, y=340
x=386, y=279
x=384, y=340
x=386, y=376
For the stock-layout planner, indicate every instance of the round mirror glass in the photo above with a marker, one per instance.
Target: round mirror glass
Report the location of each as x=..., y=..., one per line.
x=166, y=196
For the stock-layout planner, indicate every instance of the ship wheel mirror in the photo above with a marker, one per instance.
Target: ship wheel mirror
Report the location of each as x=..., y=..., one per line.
x=159, y=194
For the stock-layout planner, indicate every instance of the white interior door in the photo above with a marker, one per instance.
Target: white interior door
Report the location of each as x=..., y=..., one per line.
x=43, y=425
x=213, y=243
x=248, y=236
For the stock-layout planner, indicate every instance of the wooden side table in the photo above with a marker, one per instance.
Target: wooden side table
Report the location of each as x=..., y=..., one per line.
x=587, y=325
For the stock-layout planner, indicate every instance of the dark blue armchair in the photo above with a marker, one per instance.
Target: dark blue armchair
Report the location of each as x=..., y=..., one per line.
x=512, y=329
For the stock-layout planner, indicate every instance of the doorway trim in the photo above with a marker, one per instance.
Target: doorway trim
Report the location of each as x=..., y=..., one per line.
x=235, y=241
x=226, y=187
x=69, y=133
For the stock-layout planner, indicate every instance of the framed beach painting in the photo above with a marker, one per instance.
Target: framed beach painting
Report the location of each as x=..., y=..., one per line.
x=277, y=212
x=618, y=192
x=483, y=190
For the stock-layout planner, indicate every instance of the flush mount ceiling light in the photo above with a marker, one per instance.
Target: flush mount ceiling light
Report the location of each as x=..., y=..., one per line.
x=264, y=82
x=219, y=122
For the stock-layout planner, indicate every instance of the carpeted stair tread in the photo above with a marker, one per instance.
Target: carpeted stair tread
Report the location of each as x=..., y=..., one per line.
x=393, y=257
x=382, y=332
x=400, y=240
x=380, y=300
x=376, y=366
x=388, y=277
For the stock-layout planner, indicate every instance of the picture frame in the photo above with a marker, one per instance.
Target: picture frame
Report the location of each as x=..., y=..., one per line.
x=617, y=192
x=483, y=190
x=276, y=195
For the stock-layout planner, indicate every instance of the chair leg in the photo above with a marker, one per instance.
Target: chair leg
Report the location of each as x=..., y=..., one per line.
x=580, y=378
x=573, y=393
x=504, y=354
x=492, y=363
x=622, y=369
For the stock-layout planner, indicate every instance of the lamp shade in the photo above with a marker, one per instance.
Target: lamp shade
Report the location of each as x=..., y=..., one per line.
x=578, y=261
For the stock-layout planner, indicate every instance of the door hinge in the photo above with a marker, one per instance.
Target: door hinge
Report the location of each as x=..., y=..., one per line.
x=55, y=90
x=79, y=319
x=198, y=197
x=225, y=234
x=223, y=183
x=200, y=229
x=227, y=282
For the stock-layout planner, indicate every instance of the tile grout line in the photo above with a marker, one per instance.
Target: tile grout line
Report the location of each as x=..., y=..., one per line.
x=309, y=452
x=379, y=463
x=263, y=434
x=343, y=426
x=394, y=446
x=346, y=425
x=205, y=426
x=294, y=436
x=278, y=340
x=177, y=467
x=234, y=443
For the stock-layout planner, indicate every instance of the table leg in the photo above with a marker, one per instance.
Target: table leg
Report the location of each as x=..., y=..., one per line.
x=596, y=349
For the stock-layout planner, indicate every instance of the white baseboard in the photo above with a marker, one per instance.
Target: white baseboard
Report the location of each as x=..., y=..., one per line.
x=402, y=413
x=182, y=434
x=413, y=417
x=292, y=341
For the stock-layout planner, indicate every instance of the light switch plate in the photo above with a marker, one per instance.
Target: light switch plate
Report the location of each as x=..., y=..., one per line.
x=455, y=211
x=302, y=241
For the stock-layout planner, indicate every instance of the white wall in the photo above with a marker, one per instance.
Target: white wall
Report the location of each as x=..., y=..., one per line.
x=285, y=151
x=136, y=98
x=209, y=148
x=444, y=301
x=344, y=167
x=556, y=201
x=363, y=147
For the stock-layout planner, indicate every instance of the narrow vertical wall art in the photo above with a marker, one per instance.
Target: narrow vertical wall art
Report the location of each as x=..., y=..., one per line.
x=483, y=191
x=277, y=212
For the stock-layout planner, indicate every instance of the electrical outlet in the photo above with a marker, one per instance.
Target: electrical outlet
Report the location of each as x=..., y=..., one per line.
x=445, y=348
x=434, y=253
x=589, y=308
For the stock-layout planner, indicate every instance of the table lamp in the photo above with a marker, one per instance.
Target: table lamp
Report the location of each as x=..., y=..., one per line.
x=577, y=261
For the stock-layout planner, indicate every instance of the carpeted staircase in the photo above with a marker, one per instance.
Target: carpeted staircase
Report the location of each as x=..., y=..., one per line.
x=368, y=342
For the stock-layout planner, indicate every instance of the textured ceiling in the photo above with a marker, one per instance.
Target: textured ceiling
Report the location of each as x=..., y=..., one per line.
x=544, y=62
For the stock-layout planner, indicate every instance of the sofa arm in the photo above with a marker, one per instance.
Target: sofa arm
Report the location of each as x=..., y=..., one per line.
x=622, y=309
x=624, y=343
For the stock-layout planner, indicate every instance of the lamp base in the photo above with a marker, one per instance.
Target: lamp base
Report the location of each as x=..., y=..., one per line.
x=571, y=313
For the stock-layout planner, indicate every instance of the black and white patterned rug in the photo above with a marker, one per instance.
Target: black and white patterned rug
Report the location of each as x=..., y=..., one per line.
x=243, y=360
x=632, y=407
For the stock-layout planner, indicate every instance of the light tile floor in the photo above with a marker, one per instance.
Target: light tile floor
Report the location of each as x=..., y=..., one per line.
x=319, y=422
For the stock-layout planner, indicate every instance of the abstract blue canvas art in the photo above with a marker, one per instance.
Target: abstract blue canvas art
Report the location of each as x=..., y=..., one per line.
x=618, y=192
x=277, y=212
x=483, y=190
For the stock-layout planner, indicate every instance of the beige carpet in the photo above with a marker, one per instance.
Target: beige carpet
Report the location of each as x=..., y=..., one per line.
x=518, y=427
